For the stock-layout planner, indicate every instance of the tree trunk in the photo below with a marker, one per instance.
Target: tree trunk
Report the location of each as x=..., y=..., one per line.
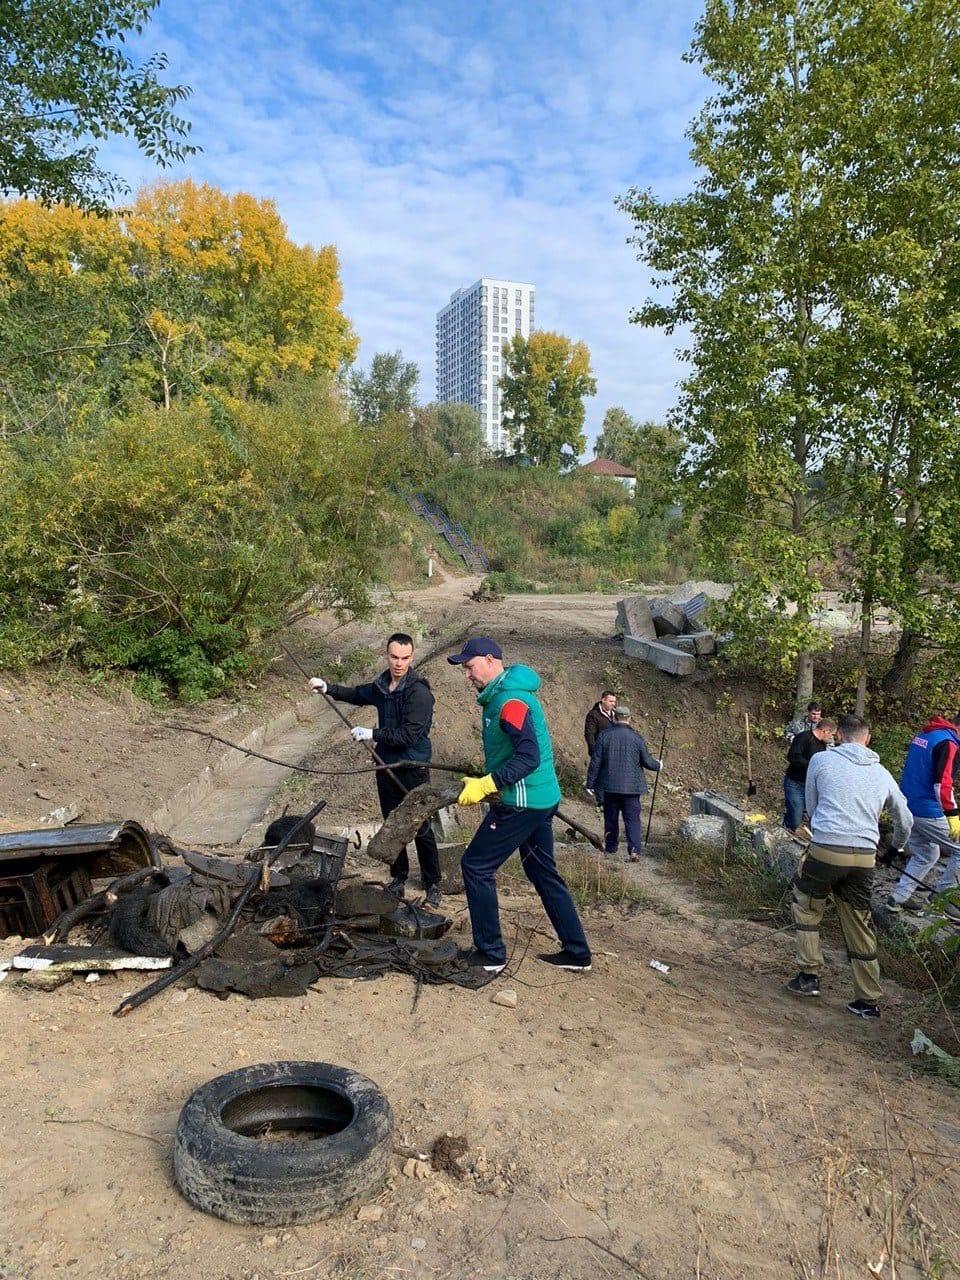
x=896, y=680
x=866, y=628
x=804, y=679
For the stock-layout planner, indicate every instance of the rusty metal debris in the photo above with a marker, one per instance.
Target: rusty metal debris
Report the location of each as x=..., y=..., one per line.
x=44, y=873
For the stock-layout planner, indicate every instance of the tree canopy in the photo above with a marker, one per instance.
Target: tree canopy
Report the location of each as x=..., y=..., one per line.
x=389, y=388
x=814, y=265
x=545, y=380
x=67, y=83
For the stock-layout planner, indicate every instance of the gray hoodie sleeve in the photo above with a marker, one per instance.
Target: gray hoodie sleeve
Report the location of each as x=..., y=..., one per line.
x=813, y=769
x=901, y=815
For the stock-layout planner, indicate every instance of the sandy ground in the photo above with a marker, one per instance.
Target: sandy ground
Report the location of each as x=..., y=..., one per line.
x=700, y=1125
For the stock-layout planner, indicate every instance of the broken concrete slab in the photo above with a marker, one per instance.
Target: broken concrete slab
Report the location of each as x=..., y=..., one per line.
x=451, y=875
x=704, y=643
x=719, y=806
x=702, y=829
x=661, y=655
x=635, y=619
x=669, y=619
x=779, y=850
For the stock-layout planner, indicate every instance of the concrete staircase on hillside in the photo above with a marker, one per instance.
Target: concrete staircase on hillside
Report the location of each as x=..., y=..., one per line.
x=455, y=535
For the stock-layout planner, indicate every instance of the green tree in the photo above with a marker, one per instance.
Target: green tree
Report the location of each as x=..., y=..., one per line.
x=66, y=83
x=651, y=449
x=441, y=432
x=746, y=260
x=618, y=438
x=390, y=388
x=545, y=380
x=898, y=334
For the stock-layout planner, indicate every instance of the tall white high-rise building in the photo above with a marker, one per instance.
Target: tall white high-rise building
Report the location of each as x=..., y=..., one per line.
x=471, y=331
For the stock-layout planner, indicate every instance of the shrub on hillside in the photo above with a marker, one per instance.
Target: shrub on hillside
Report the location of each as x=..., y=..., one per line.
x=170, y=542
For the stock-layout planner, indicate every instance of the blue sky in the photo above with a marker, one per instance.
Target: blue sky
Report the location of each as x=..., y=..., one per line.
x=433, y=144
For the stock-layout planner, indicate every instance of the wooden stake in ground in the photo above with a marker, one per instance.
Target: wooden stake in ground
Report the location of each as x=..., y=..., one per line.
x=751, y=785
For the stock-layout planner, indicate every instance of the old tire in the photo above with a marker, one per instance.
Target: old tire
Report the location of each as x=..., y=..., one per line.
x=223, y=1165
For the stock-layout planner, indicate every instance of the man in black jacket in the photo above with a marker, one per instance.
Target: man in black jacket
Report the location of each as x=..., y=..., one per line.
x=404, y=703
x=616, y=779
x=599, y=719
x=803, y=747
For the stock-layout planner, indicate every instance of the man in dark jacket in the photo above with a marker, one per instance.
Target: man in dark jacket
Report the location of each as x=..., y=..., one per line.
x=803, y=747
x=599, y=718
x=931, y=773
x=616, y=779
x=404, y=703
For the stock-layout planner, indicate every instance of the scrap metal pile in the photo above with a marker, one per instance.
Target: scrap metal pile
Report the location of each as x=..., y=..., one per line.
x=271, y=924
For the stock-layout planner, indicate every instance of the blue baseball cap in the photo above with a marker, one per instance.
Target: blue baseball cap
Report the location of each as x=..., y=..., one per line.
x=477, y=647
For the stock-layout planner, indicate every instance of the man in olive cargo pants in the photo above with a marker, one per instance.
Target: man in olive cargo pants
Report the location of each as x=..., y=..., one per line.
x=846, y=790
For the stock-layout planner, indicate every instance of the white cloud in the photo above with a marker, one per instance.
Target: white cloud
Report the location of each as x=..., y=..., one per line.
x=433, y=145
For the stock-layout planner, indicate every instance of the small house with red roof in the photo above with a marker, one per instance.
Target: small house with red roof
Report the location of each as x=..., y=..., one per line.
x=607, y=467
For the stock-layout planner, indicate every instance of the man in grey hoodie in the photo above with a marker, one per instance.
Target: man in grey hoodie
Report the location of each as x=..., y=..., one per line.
x=847, y=789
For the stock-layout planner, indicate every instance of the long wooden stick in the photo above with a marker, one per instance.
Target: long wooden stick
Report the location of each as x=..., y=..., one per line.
x=331, y=703
x=268, y=857
x=656, y=782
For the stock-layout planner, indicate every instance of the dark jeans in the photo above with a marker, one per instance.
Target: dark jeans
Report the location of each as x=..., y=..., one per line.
x=794, y=801
x=503, y=831
x=615, y=804
x=425, y=841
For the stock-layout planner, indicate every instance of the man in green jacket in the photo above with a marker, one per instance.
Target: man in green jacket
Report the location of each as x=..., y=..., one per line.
x=518, y=757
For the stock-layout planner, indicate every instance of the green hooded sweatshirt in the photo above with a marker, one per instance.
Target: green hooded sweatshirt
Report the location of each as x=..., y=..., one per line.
x=516, y=741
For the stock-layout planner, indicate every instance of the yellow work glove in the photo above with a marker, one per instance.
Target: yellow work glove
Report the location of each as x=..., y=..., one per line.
x=476, y=789
x=953, y=822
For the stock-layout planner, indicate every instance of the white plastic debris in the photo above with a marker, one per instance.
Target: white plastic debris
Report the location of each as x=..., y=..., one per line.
x=92, y=977
x=659, y=966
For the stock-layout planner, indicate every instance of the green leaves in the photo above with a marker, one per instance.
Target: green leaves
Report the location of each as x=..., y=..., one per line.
x=545, y=380
x=66, y=77
x=815, y=267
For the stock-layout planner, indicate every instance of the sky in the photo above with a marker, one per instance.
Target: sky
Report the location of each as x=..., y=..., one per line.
x=436, y=143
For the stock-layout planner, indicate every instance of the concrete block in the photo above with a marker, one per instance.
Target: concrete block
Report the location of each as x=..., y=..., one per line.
x=779, y=850
x=701, y=829
x=719, y=806
x=635, y=619
x=451, y=880
x=704, y=642
x=683, y=644
x=668, y=618
x=661, y=655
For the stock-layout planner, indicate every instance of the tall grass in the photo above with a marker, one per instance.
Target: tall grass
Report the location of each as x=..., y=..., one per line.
x=573, y=530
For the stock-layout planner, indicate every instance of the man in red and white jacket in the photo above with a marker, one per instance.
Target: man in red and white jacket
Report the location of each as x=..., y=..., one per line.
x=929, y=781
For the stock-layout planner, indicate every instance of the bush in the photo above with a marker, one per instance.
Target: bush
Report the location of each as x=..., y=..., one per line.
x=571, y=530
x=170, y=542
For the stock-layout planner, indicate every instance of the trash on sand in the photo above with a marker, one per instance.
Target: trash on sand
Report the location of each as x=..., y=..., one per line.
x=659, y=966
x=85, y=959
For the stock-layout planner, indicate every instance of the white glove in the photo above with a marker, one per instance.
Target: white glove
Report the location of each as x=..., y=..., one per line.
x=318, y=685
x=659, y=765
x=359, y=734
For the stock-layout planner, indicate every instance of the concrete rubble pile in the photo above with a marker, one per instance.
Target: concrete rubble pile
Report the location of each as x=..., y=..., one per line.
x=666, y=632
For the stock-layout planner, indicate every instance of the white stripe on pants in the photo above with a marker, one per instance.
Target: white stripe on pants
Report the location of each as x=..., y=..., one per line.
x=929, y=839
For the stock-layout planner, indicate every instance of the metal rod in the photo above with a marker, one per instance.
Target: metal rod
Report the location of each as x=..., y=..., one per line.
x=331, y=703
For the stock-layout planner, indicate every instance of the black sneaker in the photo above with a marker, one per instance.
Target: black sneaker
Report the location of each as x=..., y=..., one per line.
x=863, y=1009
x=480, y=960
x=564, y=960
x=804, y=984
x=397, y=887
x=433, y=896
